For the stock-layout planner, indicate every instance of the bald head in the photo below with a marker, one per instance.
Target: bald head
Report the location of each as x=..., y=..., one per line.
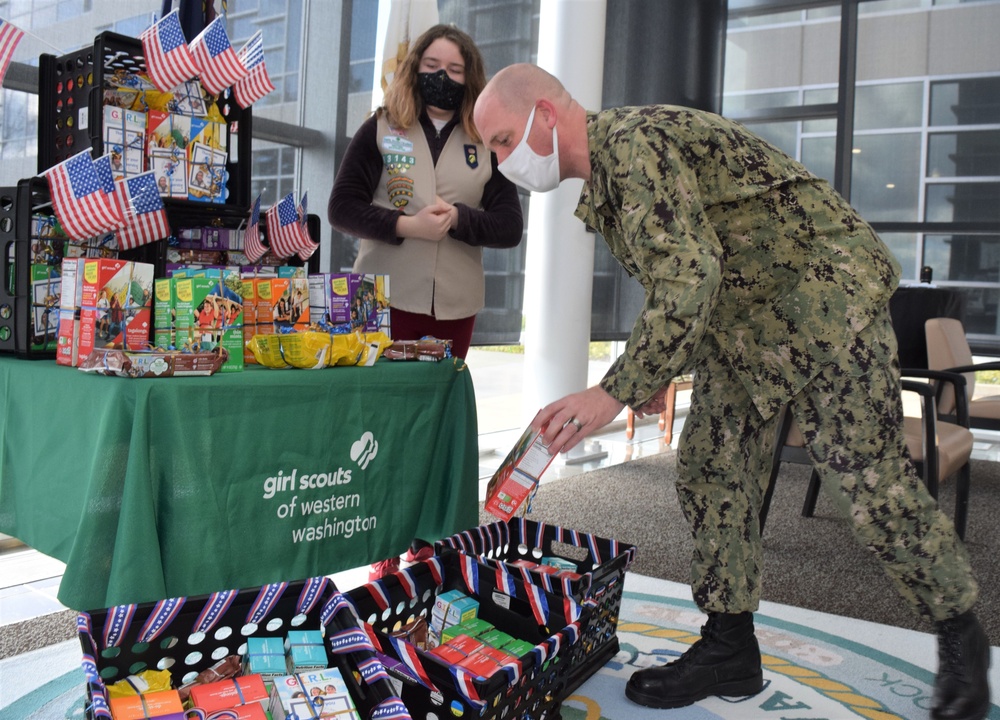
x=502, y=110
x=519, y=87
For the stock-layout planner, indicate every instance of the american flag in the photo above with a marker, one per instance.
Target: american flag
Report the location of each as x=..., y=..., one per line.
x=168, y=59
x=306, y=252
x=83, y=207
x=253, y=248
x=145, y=218
x=256, y=84
x=217, y=61
x=105, y=176
x=10, y=36
x=284, y=231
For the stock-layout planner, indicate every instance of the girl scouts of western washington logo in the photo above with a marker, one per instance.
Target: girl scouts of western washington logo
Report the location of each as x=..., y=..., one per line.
x=471, y=156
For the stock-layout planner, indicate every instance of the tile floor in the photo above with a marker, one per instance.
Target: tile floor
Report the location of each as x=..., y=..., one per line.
x=29, y=580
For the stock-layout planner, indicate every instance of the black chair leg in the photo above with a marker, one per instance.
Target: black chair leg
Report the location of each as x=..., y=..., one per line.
x=962, y=500
x=784, y=426
x=812, y=495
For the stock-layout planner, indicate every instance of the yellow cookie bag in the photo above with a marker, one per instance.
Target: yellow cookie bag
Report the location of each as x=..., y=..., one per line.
x=266, y=350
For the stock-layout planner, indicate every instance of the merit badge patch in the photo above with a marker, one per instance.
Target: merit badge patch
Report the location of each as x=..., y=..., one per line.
x=472, y=156
x=400, y=190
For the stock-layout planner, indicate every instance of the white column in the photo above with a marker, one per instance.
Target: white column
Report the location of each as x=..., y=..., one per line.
x=559, y=264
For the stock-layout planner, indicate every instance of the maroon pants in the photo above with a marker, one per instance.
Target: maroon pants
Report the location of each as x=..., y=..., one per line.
x=413, y=326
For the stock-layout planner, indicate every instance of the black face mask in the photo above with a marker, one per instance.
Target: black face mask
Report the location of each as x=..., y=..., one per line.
x=441, y=91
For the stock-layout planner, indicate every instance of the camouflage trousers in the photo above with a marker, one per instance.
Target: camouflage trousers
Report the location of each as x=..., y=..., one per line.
x=851, y=418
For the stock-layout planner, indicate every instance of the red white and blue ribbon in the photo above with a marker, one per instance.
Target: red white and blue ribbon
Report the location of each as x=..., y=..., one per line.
x=267, y=599
x=215, y=608
x=372, y=670
x=84, y=628
x=350, y=640
x=465, y=683
x=470, y=574
x=538, y=602
x=379, y=595
x=391, y=709
x=437, y=570
x=409, y=656
x=571, y=607
x=505, y=581
x=116, y=624
x=595, y=552
x=334, y=605
x=159, y=619
x=89, y=665
x=311, y=593
x=99, y=706
x=407, y=582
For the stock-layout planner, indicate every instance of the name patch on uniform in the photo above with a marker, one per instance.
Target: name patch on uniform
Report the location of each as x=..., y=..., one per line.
x=396, y=163
x=472, y=156
x=397, y=144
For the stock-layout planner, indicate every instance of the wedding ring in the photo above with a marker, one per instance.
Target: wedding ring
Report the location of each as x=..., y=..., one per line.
x=576, y=423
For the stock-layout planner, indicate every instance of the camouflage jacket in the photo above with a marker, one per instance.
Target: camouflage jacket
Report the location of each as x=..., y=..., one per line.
x=729, y=237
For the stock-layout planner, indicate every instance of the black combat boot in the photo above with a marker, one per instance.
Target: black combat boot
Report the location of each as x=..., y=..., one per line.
x=961, y=689
x=726, y=661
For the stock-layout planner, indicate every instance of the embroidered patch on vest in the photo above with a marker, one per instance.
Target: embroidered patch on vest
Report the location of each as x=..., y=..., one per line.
x=400, y=190
x=396, y=163
x=472, y=156
x=397, y=144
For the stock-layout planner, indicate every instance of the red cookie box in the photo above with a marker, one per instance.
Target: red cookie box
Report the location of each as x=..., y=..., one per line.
x=485, y=661
x=225, y=694
x=110, y=307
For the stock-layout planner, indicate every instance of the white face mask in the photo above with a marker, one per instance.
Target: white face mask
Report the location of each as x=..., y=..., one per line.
x=525, y=167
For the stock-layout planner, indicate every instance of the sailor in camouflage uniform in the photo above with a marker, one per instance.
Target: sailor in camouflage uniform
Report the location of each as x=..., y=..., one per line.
x=762, y=281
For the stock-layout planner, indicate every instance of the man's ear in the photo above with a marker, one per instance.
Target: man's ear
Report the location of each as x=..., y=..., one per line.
x=546, y=111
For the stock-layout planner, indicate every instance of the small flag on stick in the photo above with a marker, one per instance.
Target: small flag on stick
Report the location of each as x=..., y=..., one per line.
x=257, y=83
x=217, y=62
x=10, y=36
x=168, y=58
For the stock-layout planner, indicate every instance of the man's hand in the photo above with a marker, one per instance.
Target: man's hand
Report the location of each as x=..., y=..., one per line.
x=570, y=419
x=654, y=406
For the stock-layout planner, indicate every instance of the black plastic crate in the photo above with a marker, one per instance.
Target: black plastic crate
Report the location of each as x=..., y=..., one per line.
x=16, y=303
x=71, y=109
x=600, y=562
x=24, y=294
x=532, y=688
x=186, y=648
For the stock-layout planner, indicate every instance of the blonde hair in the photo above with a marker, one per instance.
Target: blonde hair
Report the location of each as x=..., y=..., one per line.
x=402, y=103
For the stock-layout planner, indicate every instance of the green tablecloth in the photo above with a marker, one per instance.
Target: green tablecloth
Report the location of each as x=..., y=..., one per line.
x=149, y=489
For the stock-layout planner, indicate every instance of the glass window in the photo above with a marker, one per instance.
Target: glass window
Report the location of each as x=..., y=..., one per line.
x=975, y=101
x=891, y=105
x=960, y=2
x=885, y=178
x=963, y=258
x=820, y=96
x=979, y=310
x=877, y=6
x=904, y=248
x=755, y=21
x=964, y=154
x=963, y=202
x=818, y=155
x=784, y=135
x=737, y=104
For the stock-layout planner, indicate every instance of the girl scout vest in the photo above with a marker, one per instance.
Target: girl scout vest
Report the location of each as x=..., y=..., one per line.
x=444, y=279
